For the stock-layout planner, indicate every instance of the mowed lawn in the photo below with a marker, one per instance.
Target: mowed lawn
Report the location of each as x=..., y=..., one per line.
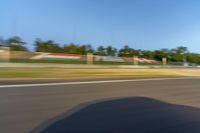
x=62, y=73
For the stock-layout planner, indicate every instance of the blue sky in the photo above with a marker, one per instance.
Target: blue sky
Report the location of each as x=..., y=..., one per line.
x=141, y=24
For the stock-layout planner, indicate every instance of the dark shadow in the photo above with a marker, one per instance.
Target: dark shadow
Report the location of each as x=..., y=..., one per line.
x=130, y=115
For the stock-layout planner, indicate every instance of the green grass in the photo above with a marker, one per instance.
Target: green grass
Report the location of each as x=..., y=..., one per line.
x=112, y=63
x=68, y=61
x=122, y=63
x=59, y=61
x=46, y=73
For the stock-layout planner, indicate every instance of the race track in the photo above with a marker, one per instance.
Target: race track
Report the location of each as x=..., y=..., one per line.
x=63, y=107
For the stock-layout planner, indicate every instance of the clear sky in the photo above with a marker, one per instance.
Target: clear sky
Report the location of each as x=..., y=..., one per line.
x=141, y=24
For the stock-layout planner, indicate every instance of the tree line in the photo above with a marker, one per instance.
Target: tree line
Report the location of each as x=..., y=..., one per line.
x=179, y=54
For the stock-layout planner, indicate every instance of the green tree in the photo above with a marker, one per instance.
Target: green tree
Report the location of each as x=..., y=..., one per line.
x=72, y=49
x=16, y=44
x=148, y=54
x=84, y=49
x=159, y=54
x=47, y=46
x=2, y=42
x=111, y=51
x=179, y=54
x=126, y=51
x=181, y=50
x=193, y=58
x=101, y=51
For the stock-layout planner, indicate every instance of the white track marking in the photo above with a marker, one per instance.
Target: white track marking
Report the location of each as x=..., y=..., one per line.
x=92, y=82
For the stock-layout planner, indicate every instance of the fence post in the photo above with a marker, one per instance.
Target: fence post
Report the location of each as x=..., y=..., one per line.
x=135, y=60
x=164, y=61
x=4, y=54
x=89, y=58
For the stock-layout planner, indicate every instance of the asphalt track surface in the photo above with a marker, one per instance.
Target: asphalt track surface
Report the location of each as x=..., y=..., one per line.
x=129, y=106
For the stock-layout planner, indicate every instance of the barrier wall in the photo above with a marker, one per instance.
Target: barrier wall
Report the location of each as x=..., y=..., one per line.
x=42, y=57
x=4, y=54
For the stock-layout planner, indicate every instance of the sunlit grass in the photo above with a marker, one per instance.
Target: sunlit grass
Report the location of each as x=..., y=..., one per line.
x=29, y=73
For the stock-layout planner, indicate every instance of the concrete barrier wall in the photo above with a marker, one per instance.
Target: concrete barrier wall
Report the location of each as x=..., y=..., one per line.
x=4, y=54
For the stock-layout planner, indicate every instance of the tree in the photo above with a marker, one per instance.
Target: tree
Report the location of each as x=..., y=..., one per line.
x=193, y=58
x=101, y=51
x=71, y=49
x=2, y=42
x=181, y=50
x=126, y=51
x=111, y=51
x=148, y=54
x=16, y=44
x=47, y=46
x=84, y=49
x=179, y=54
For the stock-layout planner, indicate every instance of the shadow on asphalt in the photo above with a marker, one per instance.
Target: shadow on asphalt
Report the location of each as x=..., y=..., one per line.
x=129, y=115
